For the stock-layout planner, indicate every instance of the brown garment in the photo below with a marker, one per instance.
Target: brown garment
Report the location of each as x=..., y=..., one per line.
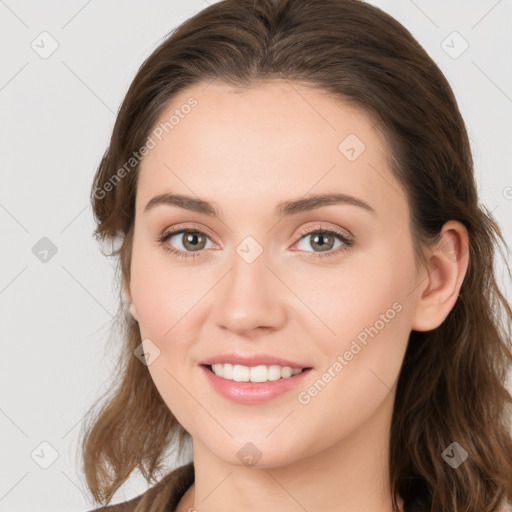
x=164, y=496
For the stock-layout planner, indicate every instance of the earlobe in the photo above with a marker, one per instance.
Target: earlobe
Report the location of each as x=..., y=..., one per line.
x=446, y=269
x=131, y=304
x=133, y=311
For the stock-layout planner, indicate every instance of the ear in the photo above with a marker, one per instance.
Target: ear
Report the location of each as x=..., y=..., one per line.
x=447, y=263
x=129, y=300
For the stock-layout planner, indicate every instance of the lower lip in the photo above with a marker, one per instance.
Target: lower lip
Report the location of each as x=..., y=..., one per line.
x=253, y=392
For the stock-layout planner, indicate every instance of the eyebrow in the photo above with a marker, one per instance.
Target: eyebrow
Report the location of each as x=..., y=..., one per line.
x=284, y=208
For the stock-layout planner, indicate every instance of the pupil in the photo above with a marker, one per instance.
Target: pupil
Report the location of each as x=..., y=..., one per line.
x=192, y=240
x=321, y=236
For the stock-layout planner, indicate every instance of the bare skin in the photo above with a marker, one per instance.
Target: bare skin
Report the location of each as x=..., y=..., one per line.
x=247, y=152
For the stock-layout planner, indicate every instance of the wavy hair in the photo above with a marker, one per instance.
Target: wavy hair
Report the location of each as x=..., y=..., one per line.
x=452, y=383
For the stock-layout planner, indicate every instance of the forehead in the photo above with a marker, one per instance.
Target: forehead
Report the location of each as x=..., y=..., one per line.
x=268, y=142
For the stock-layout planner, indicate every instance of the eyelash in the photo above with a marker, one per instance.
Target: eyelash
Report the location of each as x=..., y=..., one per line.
x=347, y=242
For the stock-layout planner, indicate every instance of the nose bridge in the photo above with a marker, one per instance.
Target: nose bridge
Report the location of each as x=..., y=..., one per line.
x=249, y=296
x=248, y=279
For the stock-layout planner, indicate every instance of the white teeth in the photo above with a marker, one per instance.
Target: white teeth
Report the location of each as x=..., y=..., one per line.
x=261, y=373
x=224, y=370
x=240, y=373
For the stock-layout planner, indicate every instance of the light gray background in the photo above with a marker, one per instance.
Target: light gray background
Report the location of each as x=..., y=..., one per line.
x=57, y=117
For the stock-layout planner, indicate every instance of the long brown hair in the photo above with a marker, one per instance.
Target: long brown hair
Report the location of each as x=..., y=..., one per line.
x=452, y=382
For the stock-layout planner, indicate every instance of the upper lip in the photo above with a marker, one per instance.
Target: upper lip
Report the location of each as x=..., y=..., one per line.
x=252, y=360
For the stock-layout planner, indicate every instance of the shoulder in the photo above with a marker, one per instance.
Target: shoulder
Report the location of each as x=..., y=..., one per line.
x=162, y=496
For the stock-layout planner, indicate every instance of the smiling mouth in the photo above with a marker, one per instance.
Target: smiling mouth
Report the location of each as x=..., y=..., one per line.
x=254, y=374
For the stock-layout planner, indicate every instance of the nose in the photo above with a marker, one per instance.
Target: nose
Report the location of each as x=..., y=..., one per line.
x=251, y=298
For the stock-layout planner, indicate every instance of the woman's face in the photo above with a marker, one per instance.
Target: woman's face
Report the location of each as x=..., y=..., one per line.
x=260, y=282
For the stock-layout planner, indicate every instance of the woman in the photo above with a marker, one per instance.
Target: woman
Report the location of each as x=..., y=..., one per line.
x=306, y=274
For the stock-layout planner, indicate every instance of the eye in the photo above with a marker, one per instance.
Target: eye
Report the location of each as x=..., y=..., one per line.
x=324, y=239
x=191, y=244
x=192, y=241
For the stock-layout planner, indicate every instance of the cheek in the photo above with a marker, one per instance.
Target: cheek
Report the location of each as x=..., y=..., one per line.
x=368, y=310
x=164, y=292
x=362, y=361
x=367, y=291
x=165, y=303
